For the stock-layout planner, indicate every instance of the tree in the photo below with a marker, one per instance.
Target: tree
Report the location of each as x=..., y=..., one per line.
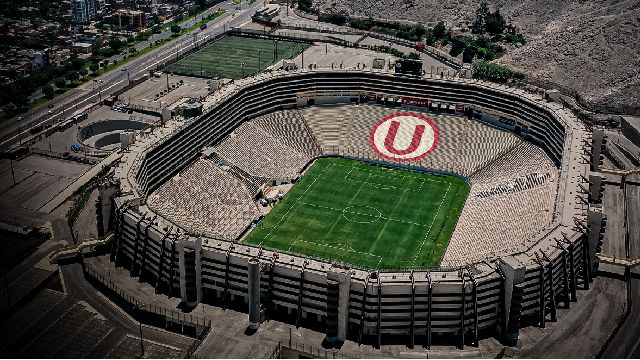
x=72, y=76
x=60, y=83
x=304, y=5
x=115, y=43
x=439, y=30
x=175, y=29
x=480, y=23
x=48, y=91
x=468, y=54
x=495, y=23
x=457, y=47
x=83, y=72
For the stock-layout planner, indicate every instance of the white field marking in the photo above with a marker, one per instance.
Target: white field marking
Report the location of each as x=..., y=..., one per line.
x=346, y=248
x=294, y=204
x=430, y=226
x=353, y=212
x=375, y=218
x=391, y=171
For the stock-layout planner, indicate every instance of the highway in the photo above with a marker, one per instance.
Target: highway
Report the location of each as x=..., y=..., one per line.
x=91, y=92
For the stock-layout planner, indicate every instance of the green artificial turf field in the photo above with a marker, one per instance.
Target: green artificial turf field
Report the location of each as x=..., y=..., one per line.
x=224, y=58
x=365, y=215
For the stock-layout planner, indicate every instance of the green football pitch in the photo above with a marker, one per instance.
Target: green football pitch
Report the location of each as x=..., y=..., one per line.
x=224, y=58
x=365, y=215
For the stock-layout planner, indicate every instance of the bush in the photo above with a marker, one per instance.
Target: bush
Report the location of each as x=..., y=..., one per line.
x=336, y=19
x=48, y=91
x=305, y=5
x=485, y=70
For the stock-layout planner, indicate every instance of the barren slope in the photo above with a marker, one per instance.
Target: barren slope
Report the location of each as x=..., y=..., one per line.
x=591, y=46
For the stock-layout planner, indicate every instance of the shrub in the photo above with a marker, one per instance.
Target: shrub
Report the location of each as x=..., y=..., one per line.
x=493, y=72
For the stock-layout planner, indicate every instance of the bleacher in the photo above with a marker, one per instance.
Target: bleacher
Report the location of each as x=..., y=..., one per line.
x=205, y=200
x=510, y=201
x=326, y=123
x=464, y=147
x=265, y=154
x=289, y=127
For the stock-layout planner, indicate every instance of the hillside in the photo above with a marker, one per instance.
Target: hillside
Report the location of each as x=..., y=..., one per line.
x=590, y=46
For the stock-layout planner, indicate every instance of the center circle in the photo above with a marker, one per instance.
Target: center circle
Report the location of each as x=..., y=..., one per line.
x=361, y=214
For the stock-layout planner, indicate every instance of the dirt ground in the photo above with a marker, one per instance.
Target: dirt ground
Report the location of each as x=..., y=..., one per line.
x=591, y=46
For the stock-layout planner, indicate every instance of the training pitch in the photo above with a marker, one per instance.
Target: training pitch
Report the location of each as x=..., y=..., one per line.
x=224, y=58
x=365, y=215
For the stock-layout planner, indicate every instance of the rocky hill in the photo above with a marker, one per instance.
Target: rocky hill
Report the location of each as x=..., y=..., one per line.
x=592, y=46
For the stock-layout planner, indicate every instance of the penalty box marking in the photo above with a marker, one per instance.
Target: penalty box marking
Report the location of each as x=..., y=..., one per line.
x=383, y=186
x=345, y=248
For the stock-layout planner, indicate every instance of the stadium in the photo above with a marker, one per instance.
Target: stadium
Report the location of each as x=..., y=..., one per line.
x=367, y=204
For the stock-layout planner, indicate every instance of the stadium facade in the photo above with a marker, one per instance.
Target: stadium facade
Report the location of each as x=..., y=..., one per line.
x=493, y=297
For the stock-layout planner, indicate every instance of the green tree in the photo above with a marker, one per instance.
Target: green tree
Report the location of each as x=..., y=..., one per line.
x=72, y=75
x=48, y=91
x=457, y=47
x=439, y=30
x=94, y=67
x=468, y=54
x=495, y=23
x=175, y=29
x=480, y=23
x=60, y=83
x=115, y=43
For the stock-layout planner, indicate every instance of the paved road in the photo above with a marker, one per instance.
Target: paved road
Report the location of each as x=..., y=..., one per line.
x=77, y=287
x=92, y=91
x=626, y=342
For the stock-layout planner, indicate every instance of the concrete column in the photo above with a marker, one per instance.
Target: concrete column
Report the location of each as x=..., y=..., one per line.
x=343, y=278
x=595, y=229
x=106, y=190
x=253, y=292
x=597, y=143
x=188, y=274
x=514, y=274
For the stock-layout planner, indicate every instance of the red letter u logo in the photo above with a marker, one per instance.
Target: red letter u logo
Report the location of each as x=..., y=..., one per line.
x=391, y=137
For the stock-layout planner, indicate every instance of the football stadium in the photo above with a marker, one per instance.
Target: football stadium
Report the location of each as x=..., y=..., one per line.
x=313, y=179
x=364, y=203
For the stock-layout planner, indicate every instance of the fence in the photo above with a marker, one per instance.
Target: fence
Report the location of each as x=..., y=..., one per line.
x=433, y=52
x=81, y=158
x=148, y=313
x=285, y=348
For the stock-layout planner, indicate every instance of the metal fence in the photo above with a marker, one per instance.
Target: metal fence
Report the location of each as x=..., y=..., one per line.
x=306, y=351
x=170, y=315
